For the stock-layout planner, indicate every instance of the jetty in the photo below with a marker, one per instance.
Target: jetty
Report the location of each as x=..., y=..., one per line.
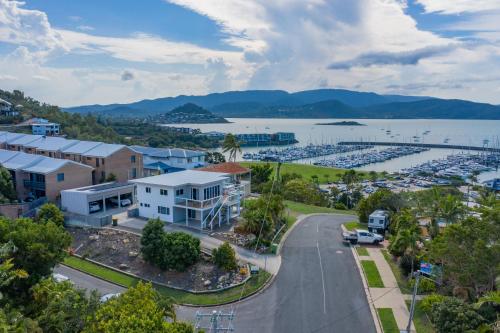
x=416, y=144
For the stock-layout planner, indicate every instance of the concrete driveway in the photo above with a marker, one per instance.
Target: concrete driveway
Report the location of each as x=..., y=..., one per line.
x=318, y=287
x=88, y=282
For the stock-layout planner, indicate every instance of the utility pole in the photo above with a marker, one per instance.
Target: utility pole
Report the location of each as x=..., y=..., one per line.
x=412, y=307
x=217, y=321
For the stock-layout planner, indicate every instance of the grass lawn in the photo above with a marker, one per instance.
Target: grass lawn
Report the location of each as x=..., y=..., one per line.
x=401, y=280
x=181, y=297
x=388, y=321
x=372, y=274
x=420, y=319
x=355, y=225
x=297, y=208
x=362, y=251
x=324, y=174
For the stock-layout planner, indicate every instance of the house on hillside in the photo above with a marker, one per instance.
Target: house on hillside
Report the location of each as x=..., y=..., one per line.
x=37, y=176
x=198, y=199
x=166, y=160
x=7, y=110
x=40, y=126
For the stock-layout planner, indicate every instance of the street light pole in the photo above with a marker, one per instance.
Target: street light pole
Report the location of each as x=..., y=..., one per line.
x=412, y=307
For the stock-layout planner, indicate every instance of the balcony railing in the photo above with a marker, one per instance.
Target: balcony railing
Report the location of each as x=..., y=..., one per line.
x=230, y=194
x=34, y=184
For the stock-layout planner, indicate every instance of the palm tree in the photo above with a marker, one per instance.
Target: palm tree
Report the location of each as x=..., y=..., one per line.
x=450, y=208
x=231, y=145
x=350, y=178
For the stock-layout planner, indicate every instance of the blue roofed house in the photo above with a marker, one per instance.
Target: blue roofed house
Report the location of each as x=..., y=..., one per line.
x=167, y=160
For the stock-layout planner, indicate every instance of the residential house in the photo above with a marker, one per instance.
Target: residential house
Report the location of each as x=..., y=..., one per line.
x=238, y=173
x=37, y=176
x=7, y=110
x=174, y=158
x=42, y=126
x=194, y=198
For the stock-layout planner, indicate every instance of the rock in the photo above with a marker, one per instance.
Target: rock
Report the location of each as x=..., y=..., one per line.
x=133, y=253
x=123, y=266
x=93, y=237
x=125, y=241
x=251, y=237
x=206, y=283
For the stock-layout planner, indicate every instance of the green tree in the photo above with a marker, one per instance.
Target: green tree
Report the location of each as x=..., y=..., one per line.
x=139, y=309
x=181, y=250
x=264, y=214
x=286, y=177
x=11, y=320
x=261, y=174
x=302, y=191
x=469, y=252
x=7, y=191
x=373, y=176
x=38, y=248
x=225, y=257
x=152, y=241
x=60, y=307
x=454, y=316
x=50, y=212
x=231, y=145
x=214, y=157
x=8, y=273
x=377, y=200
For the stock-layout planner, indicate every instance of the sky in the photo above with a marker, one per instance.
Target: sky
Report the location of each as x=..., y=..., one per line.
x=118, y=51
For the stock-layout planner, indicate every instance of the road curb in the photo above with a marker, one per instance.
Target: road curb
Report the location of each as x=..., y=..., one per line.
x=371, y=303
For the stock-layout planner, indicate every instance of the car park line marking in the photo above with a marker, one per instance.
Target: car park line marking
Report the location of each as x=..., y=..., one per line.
x=322, y=278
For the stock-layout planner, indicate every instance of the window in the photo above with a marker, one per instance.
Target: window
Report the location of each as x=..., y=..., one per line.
x=148, y=189
x=371, y=220
x=141, y=204
x=191, y=213
x=134, y=173
x=132, y=159
x=147, y=205
x=163, y=210
x=190, y=160
x=97, y=162
x=163, y=192
x=381, y=222
x=211, y=192
x=179, y=192
x=60, y=177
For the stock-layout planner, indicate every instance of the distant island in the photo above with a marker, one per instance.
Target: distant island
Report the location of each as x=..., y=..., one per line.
x=342, y=123
x=189, y=113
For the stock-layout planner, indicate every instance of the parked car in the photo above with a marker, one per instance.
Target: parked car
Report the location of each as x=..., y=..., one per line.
x=59, y=277
x=94, y=207
x=123, y=202
x=362, y=237
x=107, y=297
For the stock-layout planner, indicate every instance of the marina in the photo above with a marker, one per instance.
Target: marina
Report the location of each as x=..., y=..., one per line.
x=297, y=153
x=362, y=159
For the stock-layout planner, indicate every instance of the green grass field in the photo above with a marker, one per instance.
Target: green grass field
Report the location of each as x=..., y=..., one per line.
x=355, y=225
x=372, y=274
x=181, y=297
x=401, y=280
x=297, y=208
x=324, y=174
x=362, y=251
x=388, y=321
x=420, y=319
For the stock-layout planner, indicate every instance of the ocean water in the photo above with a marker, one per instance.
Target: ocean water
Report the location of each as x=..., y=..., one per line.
x=459, y=132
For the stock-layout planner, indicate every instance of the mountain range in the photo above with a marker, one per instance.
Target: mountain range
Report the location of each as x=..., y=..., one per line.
x=319, y=103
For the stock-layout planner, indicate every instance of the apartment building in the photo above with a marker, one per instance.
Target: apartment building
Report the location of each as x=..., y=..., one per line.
x=45, y=127
x=106, y=159
x=197, y=199
x=37, y=176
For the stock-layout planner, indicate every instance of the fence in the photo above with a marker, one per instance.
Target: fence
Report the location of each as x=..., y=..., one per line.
x=86, y=221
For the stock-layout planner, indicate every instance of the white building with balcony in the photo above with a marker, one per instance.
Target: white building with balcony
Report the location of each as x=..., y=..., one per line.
x=198, y=199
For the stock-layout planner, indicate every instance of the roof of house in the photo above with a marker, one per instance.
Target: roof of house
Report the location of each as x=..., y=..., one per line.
x=104, y=150
x=4, y=137
x=80, y=147
x=167, y=152
x=21, y=161
x=6, y=155
x=3, y=101
x=186, y=177
x=24, y=140
x=232, y=168
x=162, y=166
x=52, y=143
x=16, y=160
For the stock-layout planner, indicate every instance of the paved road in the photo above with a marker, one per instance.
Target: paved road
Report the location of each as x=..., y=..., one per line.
x=318, y=287
x=88, y=282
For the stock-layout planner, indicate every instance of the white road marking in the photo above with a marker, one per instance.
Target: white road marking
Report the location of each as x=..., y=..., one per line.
x=322, y=278
x=317, y=227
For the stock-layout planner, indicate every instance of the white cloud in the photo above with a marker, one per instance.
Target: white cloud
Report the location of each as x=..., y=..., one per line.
x=459, y=6
x=84, y=27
